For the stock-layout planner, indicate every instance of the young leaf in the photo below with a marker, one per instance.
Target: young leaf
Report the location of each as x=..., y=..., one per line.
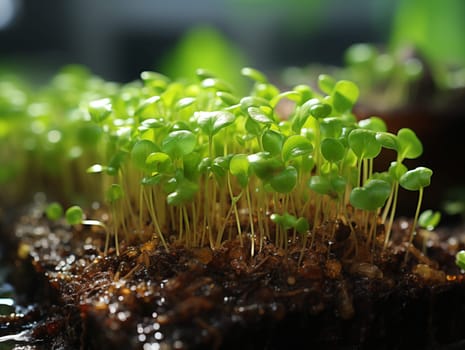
x=140, y=151
x=290, y=95
x=116, y=160
x=331, y=185
x=154, y=79
x=74, y=215
x=220, y=166
x=184, y=103
x=227, y=98
x=152, y=123
x=387, y=140
x=286, y=221
x=296, y=146
x=364, y=144
x=415, y=179
x=385, y=176
x=396, y=170
x=332, y=149
x=305, y=93
x=264, y=166
x=266, y=90
x=145, y=104
x=54, y=211
x=429, y=219
x=303, y=113
x=374, y=124
x=331, y=127
x=345, y=94
x=184, y=192
x=191, y=164
x=158, y=162
x=254, y=74
x=285, y=181
x=212, y=122
x=320, y=110
x=253, y=101
x=272, y=142
x=409, y=146
x=460, y=259
x=179, y=143
x=203, y=73
x=258, y=115
x=326, y=83
x=217, y=84
x=371, y=196
x=253, y=127
x=320, y=184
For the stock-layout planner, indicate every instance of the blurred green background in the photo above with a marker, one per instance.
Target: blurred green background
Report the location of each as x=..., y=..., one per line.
x=117, y=39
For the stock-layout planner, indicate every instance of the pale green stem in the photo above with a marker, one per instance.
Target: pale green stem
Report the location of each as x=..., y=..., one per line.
x=414, y=224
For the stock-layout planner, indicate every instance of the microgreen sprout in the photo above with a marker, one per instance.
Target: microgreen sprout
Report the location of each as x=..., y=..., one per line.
x=54, y=211
x=416, y=180
x=460, y=259
x=75, y=216
x=428, y=220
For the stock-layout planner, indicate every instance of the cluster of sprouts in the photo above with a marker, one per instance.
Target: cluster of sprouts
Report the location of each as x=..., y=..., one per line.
x=45, y=138
x=201, y=163
x=196, y=161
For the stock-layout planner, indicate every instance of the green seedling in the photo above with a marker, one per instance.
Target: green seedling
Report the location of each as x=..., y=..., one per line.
x=74, y=215
x=54, y=211
x=395, y=171
x=287, y=222
x=416, y=180
x=460, y=259
x=408, y=146
x=371, y=198
x=428, y=220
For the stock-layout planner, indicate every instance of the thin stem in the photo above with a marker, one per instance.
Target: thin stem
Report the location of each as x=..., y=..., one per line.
x=149, y=201
x=391, y=217
x=141, y=206
x=234, y=201
x=252, y=230
x=187, y=225
x=181, y=225
x=414, y=224
x=116, y=229
x=105, y=229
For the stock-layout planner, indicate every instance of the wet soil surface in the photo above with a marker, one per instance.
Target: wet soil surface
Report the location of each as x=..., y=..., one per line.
x=149, y=298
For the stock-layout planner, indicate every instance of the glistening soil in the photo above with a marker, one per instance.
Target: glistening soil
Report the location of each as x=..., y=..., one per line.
x=148, y=298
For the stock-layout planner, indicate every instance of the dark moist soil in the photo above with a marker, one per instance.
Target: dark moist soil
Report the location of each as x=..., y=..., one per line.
x=148, y=298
